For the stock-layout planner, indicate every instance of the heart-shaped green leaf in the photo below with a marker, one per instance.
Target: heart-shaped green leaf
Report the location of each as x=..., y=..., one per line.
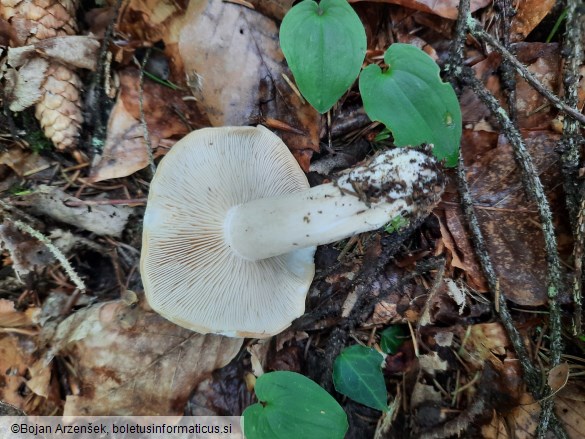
x=412, y=101
x=293, y=406
x=358, y=375
x=324, y=45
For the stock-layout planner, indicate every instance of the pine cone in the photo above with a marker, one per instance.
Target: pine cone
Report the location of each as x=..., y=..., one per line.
x=59, y=109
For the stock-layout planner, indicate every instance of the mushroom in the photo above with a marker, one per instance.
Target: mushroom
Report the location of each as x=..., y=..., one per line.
x=231, y=226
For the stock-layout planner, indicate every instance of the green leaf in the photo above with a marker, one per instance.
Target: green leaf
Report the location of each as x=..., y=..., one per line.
x=396, y=224
x=324, y=45
x=293, y=406
x=410, y=99
x=358, y=375
x=392, y=338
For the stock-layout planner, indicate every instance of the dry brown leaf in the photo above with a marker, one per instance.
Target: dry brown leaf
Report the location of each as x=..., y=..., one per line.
x=533, y=110
x=125, y=149
x=21, y=161
x=15, y=356
x=237, y=75
x=24, y=86
x=558, y=376
x=150, y=20
x=508, y=218
x=524, y=419
x=79, y=51
x=11, y=318
x=40, y=378
x=275, y=9
x=529, y=13
x=485, y=342
x=167, y=116
x=456, y=240
x=26, y=252
x=444, y=8
x=544, y=62
x=574, y=392
x=258, y=356
x=132, y=361
x=235, y=81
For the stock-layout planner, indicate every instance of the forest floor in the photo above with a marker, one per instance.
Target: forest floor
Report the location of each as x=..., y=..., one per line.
x=474, y=308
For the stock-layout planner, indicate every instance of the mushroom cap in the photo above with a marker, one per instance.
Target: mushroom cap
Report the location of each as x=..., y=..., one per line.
x=190, y=275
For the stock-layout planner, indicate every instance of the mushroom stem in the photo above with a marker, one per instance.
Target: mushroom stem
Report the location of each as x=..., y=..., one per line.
x=403, y=182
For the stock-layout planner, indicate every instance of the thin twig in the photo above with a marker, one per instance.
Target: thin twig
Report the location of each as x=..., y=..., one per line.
x=456, y=56
x=508, y=76
x=578, y=251
x=570, y=147
x=572, y=139
x=478, y=32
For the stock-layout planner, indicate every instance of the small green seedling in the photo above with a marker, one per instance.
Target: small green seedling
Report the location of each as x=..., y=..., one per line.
x=396, y=224
x=292, y=406
x=392, y=338
x=20, y=191
x=357, y=374
x=383, y=135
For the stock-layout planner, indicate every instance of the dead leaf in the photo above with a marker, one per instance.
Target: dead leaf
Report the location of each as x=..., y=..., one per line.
x=79, y=51
x=11, y=318
x=167, y=116
x=26, y=252
x=132, y=361
x=15, y=356
x=23, y=162
x=107, y=220
x=558, y=377
x=533, y=110
x=125, y=149
x=275, y=9
x=258, y=356
x=150, y=20
x=456, y=239
x=528, y=15
x=524, y=419
x=444, y=8
x=508, y=218
x=40, y=378
x=23, y=86
x=237, y=77
x=485, y=342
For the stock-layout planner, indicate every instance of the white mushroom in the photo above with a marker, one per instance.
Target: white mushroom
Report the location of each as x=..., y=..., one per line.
x=231, y=226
